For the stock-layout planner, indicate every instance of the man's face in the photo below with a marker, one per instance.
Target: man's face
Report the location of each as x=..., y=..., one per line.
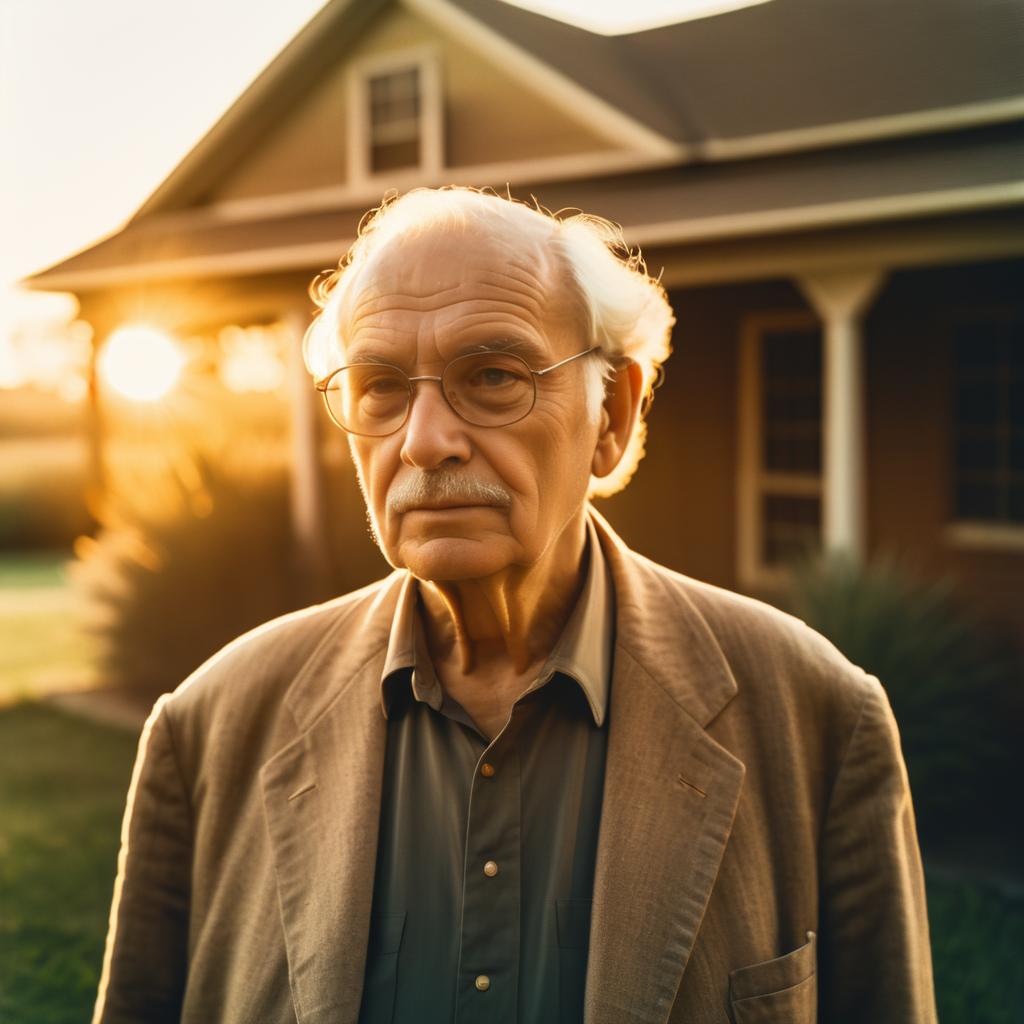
x=421, y=303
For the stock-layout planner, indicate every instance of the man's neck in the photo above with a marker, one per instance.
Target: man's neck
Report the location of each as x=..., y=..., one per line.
x=505, y=624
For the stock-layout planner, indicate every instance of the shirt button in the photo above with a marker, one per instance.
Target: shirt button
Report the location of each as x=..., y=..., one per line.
x=486, y=770
x=490, y=869
x=483, y=983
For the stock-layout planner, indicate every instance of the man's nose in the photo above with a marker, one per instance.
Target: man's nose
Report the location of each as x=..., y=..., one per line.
x=434, y=434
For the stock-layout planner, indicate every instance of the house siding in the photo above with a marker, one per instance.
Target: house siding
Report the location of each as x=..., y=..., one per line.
x=489, y=117
x=910, y=378
x=680, y=508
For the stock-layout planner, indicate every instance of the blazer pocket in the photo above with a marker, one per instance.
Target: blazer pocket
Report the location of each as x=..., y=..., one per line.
x=779, y=991
x=381, y=979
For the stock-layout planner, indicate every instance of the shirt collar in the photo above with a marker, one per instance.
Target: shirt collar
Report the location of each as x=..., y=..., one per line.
x=583, y=651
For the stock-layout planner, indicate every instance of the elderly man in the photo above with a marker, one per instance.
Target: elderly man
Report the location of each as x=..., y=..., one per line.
x=530, y=776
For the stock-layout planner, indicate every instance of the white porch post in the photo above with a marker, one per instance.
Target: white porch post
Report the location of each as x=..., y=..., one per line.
x=309, y=533
x=840, y=300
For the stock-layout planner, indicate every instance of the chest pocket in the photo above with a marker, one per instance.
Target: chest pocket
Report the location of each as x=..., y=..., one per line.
x=573, y=918
x=381, y=977
x=779, y=991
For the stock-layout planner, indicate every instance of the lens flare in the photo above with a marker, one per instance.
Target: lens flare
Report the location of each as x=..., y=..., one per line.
x=141, y=363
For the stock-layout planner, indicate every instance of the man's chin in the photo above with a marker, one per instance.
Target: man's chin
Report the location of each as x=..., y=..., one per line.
x=449, y=559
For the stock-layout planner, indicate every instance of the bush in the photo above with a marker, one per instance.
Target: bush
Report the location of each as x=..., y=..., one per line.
x=42, y=488
x=171, y=578
x=952, y=685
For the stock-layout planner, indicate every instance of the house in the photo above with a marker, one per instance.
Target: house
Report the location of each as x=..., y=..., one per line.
x=833, y=193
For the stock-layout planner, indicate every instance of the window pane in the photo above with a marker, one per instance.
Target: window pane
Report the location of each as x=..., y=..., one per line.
x=394, y=120
x=977, y=500
x=1017, y=502
x=791, y=400
x=978, y=453
x=988, y=419
x=977, y=345
x=791, y=527
x=977, y=401
x=395, y=87
x=1017, y=450
x=1015, y=338
x=1016, y=400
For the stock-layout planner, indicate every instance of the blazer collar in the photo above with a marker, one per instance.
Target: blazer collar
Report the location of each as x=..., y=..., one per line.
x=670, y=796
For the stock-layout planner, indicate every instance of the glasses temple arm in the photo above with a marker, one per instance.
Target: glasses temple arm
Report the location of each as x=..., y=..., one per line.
x=577, y=355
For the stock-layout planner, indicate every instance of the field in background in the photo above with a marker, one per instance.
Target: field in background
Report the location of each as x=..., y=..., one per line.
x=62, y=788
x=43, y=647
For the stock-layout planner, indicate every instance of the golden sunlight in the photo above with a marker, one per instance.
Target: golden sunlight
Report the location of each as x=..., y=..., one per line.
x=141, y=363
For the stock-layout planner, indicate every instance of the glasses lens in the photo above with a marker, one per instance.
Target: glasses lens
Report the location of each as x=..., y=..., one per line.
x=368, y=398
x=491, y=389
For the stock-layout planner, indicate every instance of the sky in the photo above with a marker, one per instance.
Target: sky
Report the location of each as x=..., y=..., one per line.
x=100, y=100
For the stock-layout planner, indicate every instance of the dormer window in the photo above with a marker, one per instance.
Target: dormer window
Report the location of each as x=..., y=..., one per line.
x=394, y=129
x=395, y=110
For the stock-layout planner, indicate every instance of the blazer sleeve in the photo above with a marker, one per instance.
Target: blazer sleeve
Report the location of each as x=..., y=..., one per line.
x=874, y=952
x=145, y=962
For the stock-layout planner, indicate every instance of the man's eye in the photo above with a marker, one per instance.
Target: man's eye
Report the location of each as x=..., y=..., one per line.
x=381, y=386
x=493, y=377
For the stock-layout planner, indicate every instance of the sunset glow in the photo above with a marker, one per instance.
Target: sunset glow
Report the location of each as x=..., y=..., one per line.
x=141, y=362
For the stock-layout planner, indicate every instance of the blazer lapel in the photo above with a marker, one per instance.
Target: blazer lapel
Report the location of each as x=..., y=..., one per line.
x=321, y=798
x=670, y=796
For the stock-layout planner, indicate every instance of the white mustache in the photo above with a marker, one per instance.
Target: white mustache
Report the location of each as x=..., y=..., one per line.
x=444, y=485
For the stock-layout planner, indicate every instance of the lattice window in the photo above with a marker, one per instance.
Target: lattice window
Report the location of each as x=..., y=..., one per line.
x=394, y=119
x=988, y=420
x=780, y=465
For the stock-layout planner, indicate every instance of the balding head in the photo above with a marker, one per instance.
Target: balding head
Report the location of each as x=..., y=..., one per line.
x=581, y=265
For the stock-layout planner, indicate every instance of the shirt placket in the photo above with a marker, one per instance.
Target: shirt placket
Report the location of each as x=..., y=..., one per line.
x=488, y=972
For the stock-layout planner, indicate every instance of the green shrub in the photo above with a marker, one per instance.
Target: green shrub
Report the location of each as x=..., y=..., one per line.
x=42, y=493
x=953, y=688
x=977, y=933
x=178, y=573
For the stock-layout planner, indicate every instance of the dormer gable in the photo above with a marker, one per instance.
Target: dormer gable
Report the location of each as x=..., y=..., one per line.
x=411, y=102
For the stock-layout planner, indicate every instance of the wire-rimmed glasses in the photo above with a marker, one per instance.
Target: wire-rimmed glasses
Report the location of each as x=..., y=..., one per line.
x=487, y=389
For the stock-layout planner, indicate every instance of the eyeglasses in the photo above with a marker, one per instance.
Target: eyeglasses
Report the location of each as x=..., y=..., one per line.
x=487, y=389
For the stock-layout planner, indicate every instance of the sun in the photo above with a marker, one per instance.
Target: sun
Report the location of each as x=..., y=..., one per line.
x=141, y=362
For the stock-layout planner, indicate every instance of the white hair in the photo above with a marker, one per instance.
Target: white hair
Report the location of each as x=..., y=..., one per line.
x=626, y=312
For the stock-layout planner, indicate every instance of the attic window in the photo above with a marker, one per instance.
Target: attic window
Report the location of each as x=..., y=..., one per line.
x=394, y=120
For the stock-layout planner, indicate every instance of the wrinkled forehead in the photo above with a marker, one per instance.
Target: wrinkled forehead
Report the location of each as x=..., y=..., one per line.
x=444, y=261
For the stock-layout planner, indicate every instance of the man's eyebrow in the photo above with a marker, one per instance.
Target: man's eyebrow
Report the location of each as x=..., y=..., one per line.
x=368, y=355
x=517, y=346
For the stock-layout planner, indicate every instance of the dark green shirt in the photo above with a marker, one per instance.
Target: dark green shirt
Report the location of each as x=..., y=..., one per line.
x=485, y=860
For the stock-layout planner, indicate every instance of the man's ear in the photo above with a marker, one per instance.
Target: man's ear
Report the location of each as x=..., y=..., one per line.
x=619, y=411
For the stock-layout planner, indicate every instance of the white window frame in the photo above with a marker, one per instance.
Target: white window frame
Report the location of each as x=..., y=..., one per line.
x=753, y=482
x=427, y=60
x=976, y=534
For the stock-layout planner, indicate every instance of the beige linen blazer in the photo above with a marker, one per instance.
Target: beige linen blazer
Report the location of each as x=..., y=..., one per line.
x=757, y=858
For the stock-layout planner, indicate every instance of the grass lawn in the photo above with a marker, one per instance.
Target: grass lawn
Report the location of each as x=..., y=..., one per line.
x=63, y=782
x=42, y=646
x=977, y=944
x=62, y=787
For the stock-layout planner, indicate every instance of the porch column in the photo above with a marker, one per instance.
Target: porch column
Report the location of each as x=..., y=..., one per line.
x=97, y=486
x=309, y=532
x=840, y=300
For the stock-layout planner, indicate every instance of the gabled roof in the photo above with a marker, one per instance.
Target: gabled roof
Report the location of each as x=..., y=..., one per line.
x=792, y=74
x=746, y=87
